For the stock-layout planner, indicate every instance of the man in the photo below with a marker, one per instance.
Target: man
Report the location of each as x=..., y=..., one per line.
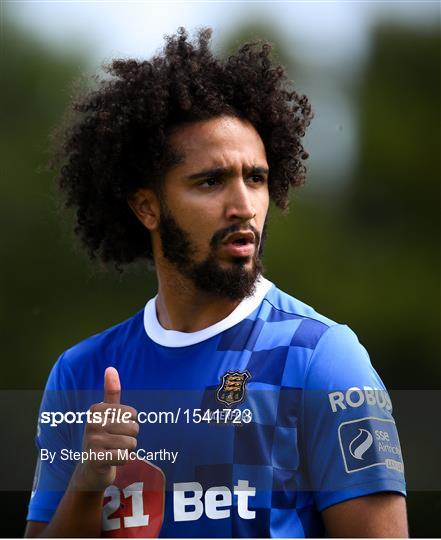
x=264, y=418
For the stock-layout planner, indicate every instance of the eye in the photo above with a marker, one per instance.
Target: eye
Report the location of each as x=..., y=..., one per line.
x=257, y=179
x=211, y=181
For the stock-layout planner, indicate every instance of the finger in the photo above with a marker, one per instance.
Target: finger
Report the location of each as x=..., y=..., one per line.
x=131, y=429
x=112, y=386
x=129, y=412
x=113, y=442
x=116, y=457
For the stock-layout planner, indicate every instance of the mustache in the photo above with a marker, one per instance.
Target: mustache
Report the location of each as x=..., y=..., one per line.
x=235, y=227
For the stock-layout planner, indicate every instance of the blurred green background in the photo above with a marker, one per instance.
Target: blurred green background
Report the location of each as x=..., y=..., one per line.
x=360, y=243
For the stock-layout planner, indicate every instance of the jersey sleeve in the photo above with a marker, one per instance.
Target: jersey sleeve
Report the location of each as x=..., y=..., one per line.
x=52, y=474
x=349, y=437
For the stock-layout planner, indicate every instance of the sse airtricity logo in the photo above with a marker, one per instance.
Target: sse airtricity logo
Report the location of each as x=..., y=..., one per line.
x=361, y=444
x=370, y=442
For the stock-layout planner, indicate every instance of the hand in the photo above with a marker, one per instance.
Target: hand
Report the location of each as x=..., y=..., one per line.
x=96, y=475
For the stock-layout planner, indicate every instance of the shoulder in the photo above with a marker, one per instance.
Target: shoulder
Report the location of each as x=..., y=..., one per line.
x=340, y=361
x=83, y=362
x=330, y=352
x=111, y=340
x=282, y=306
x=284, y=315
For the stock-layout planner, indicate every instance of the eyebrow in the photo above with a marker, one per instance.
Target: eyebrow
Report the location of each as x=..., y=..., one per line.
x=222, y=171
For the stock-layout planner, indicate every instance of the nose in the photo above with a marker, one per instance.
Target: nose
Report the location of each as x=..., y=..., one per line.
x=240, y=206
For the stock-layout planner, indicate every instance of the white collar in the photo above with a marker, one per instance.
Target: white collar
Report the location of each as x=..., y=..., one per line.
x=172, y=338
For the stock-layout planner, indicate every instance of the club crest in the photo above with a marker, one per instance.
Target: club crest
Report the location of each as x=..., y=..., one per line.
x=232, y=387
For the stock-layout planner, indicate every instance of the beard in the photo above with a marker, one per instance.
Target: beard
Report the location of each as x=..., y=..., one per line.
x=235, y=283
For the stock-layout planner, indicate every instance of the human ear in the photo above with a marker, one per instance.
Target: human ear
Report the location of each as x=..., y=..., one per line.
x=145, y=205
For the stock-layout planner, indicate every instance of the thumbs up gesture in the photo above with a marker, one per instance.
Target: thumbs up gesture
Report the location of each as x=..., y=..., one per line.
x=107, y=437
x=112, y=386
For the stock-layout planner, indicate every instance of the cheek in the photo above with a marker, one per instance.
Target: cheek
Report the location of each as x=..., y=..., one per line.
x=262, y=207
x=198, y=223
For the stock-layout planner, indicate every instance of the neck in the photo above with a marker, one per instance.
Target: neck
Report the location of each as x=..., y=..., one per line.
x=180, y=306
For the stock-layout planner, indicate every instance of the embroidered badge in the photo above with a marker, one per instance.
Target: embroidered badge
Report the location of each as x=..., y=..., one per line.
x=232, y=388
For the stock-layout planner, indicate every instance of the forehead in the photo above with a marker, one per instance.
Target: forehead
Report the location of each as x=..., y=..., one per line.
x=218, y=142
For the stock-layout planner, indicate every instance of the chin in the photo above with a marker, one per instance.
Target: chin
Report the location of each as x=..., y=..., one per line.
x=244, y=262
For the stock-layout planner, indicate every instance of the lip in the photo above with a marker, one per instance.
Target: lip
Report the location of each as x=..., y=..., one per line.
x=248, y=236
x=239, y=250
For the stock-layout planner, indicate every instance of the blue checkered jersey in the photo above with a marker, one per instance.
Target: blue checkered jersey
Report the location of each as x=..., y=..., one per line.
x=256, y=424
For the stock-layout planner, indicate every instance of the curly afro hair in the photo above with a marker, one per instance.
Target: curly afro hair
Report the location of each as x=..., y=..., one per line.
x=117, y=141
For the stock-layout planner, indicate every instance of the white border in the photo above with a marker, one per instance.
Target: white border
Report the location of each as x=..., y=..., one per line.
x=360, y=420
x=172, y=338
